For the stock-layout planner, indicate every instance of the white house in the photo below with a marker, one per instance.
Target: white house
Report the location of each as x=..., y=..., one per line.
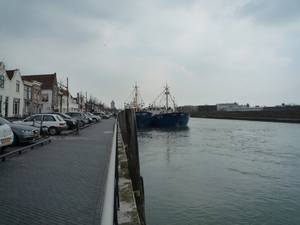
x=11, y=92
x=66, y=102
x=73, y=105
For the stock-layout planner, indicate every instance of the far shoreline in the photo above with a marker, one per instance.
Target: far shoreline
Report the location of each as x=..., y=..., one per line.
x=281, y=120
x=289, y=116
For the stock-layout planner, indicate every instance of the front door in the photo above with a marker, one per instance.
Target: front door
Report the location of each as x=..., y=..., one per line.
x=6, y=107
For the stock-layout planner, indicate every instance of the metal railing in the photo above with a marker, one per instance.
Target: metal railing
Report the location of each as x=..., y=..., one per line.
x=24, y=148
x=109, y=215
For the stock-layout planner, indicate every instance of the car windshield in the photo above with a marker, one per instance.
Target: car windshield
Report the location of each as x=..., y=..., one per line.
x=3, y=121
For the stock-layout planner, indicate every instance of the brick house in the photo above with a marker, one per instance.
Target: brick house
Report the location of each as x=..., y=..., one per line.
x=32, y=97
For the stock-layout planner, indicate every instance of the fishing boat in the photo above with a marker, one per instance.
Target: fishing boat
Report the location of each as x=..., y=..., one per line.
x=135, y=101
x=164, y=111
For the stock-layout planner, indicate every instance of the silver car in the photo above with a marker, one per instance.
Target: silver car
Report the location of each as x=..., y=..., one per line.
x=94, y=117
x=22, y=133
x=80, y=117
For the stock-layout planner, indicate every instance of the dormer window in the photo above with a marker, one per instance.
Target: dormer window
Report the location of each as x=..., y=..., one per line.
x=17, y=86
x=1, y=81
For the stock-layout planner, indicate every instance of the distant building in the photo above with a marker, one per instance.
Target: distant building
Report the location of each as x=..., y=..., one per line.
x=282, y=107
x=112, y=104
x=207, y=108
x=49, y=90
x=32, y=97
x=236, y=107
x=227, y=107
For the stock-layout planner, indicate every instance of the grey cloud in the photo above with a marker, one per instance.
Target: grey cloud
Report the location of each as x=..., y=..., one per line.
x=59, y=19
x=270, y=12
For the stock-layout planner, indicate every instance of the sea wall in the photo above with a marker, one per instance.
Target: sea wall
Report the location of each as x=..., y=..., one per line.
x=127, y=213
x=286, y=116
x=130, y=163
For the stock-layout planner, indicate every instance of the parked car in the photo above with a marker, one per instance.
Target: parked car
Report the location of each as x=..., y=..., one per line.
x=103, y=115
x=90, y=119
x=55, y=123
x=80, y=117
x=6, y=136
x=71, y=122
x=93, y=117
x=22, y=133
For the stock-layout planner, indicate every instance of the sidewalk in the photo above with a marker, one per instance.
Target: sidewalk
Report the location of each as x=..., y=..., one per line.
x=61, y=182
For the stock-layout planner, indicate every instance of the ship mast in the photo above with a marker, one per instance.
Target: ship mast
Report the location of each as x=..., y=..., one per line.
x=167, y=96
x=136, y=96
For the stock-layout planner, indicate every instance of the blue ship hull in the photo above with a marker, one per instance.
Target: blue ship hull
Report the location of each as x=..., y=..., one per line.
x=143, y=119
x=177, y=119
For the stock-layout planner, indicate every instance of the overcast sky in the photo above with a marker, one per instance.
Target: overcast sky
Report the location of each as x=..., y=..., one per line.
x=208, y=52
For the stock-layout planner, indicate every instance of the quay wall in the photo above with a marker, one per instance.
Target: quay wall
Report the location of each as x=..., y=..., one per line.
x=287, y=116
x=127, y=213
x=130, y=182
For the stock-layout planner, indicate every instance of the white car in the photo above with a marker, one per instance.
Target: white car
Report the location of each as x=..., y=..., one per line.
x=6, y=136
x=54, y=122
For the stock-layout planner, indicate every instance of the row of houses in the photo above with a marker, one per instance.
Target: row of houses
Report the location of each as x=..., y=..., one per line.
x=24, y=95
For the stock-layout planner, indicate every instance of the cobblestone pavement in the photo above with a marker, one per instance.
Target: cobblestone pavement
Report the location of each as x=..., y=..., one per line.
x=61, y=182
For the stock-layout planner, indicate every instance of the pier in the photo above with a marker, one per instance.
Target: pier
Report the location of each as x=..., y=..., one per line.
x=65, y=180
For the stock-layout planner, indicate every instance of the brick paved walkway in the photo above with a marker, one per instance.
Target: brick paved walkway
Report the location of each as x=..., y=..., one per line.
x=59, y=183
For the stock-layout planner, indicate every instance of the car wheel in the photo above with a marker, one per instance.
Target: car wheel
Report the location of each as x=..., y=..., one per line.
x=15, y=142
x=94, y=120
x=82, y=123
x=52, y=130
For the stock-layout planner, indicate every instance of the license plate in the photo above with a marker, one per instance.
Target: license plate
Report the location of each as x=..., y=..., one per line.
x=5, y=140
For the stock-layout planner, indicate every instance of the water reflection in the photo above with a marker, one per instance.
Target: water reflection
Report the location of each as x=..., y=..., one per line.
x=166, y=139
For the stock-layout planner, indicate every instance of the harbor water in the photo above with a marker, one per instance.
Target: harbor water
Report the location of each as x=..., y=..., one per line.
x=222, y=172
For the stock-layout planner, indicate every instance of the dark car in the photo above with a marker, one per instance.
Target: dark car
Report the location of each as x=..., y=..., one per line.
x=80, y=117
x=22, y=133
x=71, y=122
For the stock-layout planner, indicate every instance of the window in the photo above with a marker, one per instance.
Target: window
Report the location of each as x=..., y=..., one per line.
x=25, y=92
x=17, y=86
x=48, y=118
x=16, y=106
x=37, y=117
x=59, y=119
x=29, y=93
x=1, y=81
x=0, y=104
x=37, y=93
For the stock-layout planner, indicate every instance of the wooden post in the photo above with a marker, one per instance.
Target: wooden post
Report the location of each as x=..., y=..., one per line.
x=134, y=163
x=122, y=124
